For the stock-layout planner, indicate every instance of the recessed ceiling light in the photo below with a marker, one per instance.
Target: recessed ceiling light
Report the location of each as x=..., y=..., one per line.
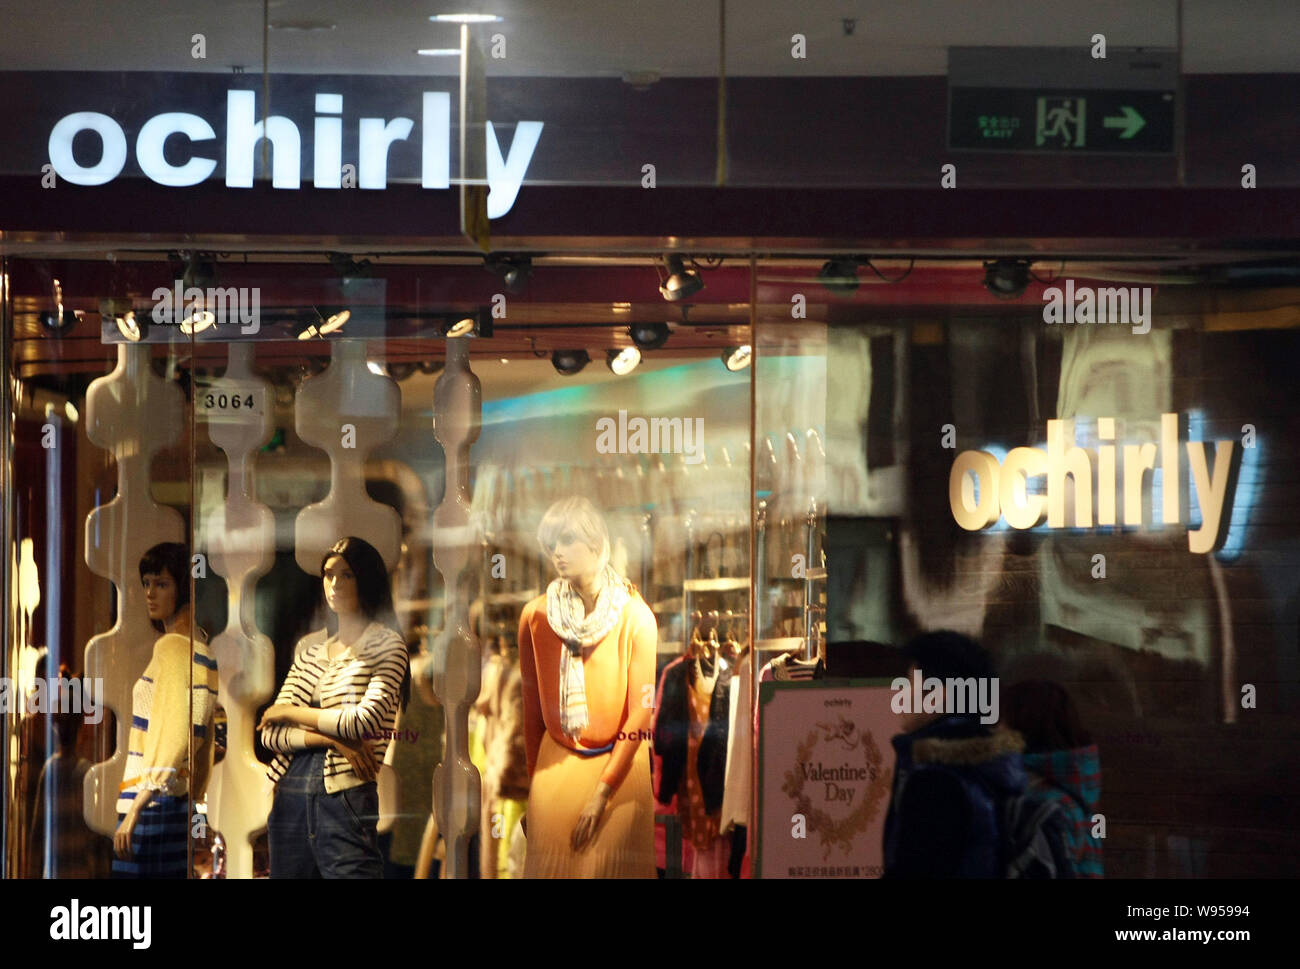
x=439, y=52
x=466, y=18
x=641, y=80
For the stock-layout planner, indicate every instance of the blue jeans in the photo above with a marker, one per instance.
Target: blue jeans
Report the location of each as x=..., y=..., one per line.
x=314, y=834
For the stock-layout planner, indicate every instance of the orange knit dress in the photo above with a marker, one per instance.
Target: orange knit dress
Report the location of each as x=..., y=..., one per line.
x=620, y=679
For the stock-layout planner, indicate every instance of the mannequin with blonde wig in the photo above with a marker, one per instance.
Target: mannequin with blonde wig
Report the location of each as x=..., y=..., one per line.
x=587, y=661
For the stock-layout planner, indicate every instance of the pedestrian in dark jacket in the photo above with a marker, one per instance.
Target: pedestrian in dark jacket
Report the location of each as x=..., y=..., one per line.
x=950, y=776
x=1062, y=762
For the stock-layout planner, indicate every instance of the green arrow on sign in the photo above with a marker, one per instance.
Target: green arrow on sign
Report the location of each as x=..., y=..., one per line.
x=1130, y=121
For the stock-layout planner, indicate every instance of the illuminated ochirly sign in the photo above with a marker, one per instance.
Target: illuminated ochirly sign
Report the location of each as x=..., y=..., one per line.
x=243, y=131
x=981, y=488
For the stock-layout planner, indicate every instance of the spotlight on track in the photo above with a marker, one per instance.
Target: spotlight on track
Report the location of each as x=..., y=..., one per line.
x=323, y=324
x=648, y=336
x=839, y=275
x=335, y=321
x=132, y=329
x=1006, y=278
x=623, y=362
x=198, y=319
x=515, y=271
x=464, y=323
x=59, y=321
x=462, y=327
x=682, y=283
x=569, y=362
x=737, y=358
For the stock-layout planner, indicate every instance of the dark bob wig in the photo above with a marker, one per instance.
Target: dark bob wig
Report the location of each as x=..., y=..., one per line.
x=174, y=559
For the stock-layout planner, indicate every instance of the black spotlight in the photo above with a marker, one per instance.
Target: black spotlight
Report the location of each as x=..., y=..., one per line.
x=57, y=324
x=515, y=271
x=840, y=275
x=1006, y=278
x=682, y=283
x=648, y=336
x=349, y=268
x=569, y=362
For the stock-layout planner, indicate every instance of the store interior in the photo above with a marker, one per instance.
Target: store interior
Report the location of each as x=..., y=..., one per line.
x=790, y=510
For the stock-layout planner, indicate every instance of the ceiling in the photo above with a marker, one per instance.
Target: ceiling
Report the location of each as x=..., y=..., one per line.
x=601, y=38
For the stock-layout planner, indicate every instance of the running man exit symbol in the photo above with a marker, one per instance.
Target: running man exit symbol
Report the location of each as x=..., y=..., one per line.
x=1063, y=118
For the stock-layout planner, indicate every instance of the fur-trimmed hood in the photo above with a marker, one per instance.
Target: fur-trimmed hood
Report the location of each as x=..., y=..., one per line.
x=968, y=751
x=962, y=743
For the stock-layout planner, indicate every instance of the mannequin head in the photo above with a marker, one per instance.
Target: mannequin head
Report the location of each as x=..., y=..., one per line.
x=355, y=581
x=165, y=575
x=573, y=536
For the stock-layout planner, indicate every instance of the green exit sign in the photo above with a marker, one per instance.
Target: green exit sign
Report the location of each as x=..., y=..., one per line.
x=1062, y=100
x=1061, y=121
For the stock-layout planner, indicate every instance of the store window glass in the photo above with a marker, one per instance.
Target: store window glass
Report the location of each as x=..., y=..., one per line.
x=369, y=500
x=1087, y=484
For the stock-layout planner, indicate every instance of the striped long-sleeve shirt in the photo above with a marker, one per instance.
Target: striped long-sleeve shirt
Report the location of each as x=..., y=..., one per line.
x=179, y=687
x=359, y=691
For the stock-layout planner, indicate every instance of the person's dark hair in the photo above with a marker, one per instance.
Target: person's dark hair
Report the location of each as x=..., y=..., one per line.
x=174, y=559
x=374, y=594
x=1044, y=714
x=945, y=654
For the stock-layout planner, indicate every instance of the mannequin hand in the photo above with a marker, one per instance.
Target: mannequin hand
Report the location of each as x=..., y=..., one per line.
x=276, y=713
x=360, y=755
x=590, y=817
x=122, y=836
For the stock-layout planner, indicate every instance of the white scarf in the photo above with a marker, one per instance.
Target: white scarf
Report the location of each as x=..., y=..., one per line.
x=568, y=619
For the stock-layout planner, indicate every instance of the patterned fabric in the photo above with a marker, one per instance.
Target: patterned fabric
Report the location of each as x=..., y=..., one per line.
x=360, y=691
x=159, y=846
x=576, y=630
x=179, y=686
x=1072, y=778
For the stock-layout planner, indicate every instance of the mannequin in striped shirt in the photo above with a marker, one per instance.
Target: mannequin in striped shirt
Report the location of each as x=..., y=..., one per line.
x=169, y=749
x=330, y=725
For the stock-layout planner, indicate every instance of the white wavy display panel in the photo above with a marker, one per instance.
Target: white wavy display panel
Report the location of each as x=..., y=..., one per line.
x=240, y=542
x=134, y=414
x=347, y=411
x=457, y=417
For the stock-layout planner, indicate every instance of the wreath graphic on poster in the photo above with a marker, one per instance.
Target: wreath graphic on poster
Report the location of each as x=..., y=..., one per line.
x=839, y=833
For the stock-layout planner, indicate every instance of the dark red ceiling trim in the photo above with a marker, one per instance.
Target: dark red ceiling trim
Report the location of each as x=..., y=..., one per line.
x=820, y=218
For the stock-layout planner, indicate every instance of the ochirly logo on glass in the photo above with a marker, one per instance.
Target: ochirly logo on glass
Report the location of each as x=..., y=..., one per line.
x=983, y=488
x=375, y=136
